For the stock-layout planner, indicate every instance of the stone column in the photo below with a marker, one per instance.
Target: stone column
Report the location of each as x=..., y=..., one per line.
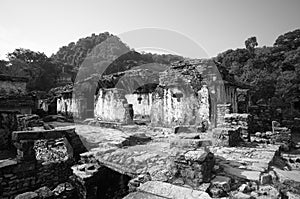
x=128, y=117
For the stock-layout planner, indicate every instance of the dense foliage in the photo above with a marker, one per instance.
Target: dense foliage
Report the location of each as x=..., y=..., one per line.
x=273, y=72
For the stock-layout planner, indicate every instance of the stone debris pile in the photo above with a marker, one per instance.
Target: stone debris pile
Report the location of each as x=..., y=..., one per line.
x=51, y=150
x=282, y=138
x=63, y=190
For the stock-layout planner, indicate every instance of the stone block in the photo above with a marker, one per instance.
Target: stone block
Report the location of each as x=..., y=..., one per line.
x=167, y=190
x=265, y=178
x=222, y=182
x=27, y=195
x=227, y=136
x=189, y=143
x=44, y=193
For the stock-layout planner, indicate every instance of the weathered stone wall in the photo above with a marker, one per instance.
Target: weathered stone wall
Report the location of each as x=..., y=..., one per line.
x=174, y=106
x=194, y=167
x=231, y=97
x=26, y=173
x=110, y=105
x=222, y=110
x=242, y=121
x=141, y=104
x=25, y=176
x=262, y=116
x=226, y=136
x=71, y=106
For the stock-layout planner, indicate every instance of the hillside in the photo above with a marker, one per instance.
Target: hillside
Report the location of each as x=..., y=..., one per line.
x=273, y=72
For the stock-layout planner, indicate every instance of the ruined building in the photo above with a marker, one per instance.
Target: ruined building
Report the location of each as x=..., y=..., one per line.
x=190, y=92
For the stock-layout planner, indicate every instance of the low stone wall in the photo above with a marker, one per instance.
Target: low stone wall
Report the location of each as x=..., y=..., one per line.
x=26, y=173
x=222, y=110
x=227, y=136
x=18, y=177
x=242, y=121
x=262, y=116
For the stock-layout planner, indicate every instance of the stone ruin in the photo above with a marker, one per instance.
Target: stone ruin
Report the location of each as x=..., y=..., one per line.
x=194, y=143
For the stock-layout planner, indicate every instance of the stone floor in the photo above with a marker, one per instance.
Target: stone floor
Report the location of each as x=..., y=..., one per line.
x=108, y=146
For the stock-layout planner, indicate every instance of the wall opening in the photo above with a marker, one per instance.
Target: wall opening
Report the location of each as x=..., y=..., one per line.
x=111, y=184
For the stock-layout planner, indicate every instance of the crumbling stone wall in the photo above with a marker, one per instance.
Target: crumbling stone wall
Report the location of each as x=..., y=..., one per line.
x=262, y=116
x=69, y=106
x=18, y=177
x=222, y=110
x=112, y=106
x=141, y=104
x=26, y=173
x=228, y=137
x=241, y=121
x=174, y=106
x=193, y=167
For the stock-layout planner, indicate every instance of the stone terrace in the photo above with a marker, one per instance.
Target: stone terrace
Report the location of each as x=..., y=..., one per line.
x=157, y=155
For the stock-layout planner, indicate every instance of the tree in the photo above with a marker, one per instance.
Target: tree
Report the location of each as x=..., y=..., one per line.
x=250, y=44
x=41, y=70
x=288, y=41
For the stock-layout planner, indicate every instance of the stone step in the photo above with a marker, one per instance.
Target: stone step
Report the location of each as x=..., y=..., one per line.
x=241, y=173
x=166, y=190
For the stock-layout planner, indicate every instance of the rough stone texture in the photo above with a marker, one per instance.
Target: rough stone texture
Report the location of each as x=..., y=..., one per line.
x=142, y=195
x=220, y=186
x=194, y=166
x=269, y=191
x=136, y=182
x=226, y=136
x=26, y=176
x=177, y=106
x=222, y=110
x=261, y=118
x=64, y=190
x=280, y=137
x=27, y=195
x=24, y=141
x=167, y=190
x=240, y=195
x=28, y=173
x=53, y=150
x=44, y=193
x=245, y=162
x=242, y=121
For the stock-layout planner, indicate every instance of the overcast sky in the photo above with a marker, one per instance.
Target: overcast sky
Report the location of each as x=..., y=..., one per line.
x=46, y=25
